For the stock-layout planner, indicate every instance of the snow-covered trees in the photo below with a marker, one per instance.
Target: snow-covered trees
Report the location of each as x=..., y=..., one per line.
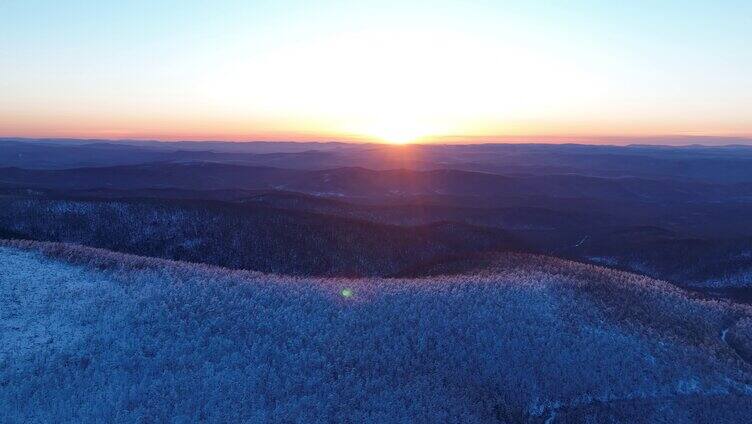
x=91, y=335
x=243, y=236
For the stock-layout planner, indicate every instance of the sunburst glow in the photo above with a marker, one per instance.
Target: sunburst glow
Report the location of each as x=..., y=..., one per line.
x=392, y=71
x=396, y=131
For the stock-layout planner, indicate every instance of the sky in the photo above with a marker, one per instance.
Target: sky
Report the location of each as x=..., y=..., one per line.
x=395, y=71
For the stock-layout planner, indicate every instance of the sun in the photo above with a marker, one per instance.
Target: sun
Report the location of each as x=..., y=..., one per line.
x=397, y=133
x=396, y=124
x=398, y=137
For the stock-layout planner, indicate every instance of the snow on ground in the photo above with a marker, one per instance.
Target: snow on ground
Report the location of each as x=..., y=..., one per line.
x=29, y=322
x=94, y=336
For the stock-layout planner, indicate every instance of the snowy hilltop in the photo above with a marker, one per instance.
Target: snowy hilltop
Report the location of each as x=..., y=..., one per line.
x=94, y=336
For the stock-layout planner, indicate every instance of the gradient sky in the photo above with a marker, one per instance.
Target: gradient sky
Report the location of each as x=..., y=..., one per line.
x=381, y=70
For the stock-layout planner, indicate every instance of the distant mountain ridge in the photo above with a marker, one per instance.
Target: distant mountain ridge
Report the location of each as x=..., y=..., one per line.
x=361, y=182
x=727, y=164
x=683, y=214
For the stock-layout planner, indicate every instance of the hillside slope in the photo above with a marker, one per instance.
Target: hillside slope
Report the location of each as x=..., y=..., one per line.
x=244, y=236
x=94, y=336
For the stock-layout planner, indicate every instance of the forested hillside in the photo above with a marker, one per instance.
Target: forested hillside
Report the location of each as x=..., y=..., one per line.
x=245, y=236
x=680, y=214
x=95, y=336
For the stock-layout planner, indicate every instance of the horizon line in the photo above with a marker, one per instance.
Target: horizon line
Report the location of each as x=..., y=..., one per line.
x=617, y=140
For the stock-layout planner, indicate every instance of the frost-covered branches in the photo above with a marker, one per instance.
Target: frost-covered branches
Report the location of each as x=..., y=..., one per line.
x=92, y=335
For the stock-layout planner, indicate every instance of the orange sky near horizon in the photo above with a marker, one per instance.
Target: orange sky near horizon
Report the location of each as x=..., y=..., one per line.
x=197, y=131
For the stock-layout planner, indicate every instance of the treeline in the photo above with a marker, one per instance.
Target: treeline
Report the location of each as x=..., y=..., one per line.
x=243, y=236
x=689, y=262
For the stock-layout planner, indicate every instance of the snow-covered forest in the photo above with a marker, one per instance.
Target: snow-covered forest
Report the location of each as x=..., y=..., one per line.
x=237, y=236
x=94, y=336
